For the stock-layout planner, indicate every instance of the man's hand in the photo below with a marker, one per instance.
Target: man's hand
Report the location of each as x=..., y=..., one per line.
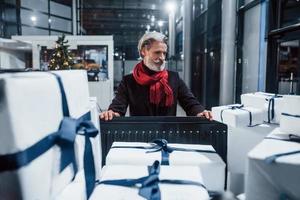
x=207, y=114
x=108, y=115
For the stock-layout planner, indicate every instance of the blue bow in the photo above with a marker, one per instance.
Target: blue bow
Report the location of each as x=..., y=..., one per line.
x=148, y=185
x=84, y=127
x=64, y=138
x=162, y=145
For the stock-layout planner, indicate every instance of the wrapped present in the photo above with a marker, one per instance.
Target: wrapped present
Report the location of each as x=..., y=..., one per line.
x=75, y=190
x=155, y=182
x=241, y=140
x=96, y=141
x=238, y=115
x=38, y=123
x=274, y=168
x=133, y=153
x=271, y=104
x=290, y=116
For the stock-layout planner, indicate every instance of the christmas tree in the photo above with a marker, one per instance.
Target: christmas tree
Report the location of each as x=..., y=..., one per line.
x=61, y=57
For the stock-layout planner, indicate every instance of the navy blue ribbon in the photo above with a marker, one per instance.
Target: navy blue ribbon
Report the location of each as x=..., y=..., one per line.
x=271, y=107
x=84, y=127
x=148, y=185
x=240, y=107
x=291, y=138
x=87, y=128
x=63, y=138
x=272, y=159
x=290, y=115
x=65, y=107
x=162, y=145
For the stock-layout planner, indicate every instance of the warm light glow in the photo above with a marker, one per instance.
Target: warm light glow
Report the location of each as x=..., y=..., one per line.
x=160, y=23
x=152, y=18
x=171, y=6
x=33, y=18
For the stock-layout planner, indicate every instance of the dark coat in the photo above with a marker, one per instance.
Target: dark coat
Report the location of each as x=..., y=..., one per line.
x=137, y=97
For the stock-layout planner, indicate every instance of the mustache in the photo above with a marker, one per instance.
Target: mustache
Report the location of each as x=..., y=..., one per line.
x=159, y=61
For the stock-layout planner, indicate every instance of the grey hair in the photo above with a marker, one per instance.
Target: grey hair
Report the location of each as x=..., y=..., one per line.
x=149, y=37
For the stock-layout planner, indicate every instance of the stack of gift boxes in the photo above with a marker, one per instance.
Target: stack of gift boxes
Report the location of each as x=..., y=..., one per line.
x=272, y=162
x=45, y=126
x=187, y=171
x=273, y=170
x=50, y=149
x=248, y=123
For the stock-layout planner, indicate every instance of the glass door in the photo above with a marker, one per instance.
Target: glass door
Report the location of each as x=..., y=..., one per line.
x=288, y=66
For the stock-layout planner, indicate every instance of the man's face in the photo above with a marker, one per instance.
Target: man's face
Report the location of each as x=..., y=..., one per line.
x=154, y=58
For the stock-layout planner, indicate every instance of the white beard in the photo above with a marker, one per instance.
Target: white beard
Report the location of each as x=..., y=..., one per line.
x=151, y=64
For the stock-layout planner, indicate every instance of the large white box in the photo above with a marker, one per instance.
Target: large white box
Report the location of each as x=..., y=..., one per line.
x=263, y=101
x=238, y=116
x=211, y=165
x=31, y=109
x=168, y=191
x=75, y=190
x=281, y=178
x=241, y=141
x=290, y=117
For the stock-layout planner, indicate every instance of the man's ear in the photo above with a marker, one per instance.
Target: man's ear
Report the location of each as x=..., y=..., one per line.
x=143, y=51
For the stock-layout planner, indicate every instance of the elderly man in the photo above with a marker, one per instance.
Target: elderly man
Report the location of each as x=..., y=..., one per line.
x=151, y=90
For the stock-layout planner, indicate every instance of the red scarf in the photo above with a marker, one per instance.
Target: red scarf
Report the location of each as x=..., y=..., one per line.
x=159, y=87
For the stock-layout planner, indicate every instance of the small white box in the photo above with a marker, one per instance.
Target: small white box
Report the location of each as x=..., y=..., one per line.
x=237, y=116
x=168, y=191
x=273, y=180
x=211, y=165
x=290, y=117
x=263, y=101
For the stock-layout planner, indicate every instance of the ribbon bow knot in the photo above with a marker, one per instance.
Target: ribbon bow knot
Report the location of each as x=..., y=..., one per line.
x=87, y=128
x=236, y=107
x=162, y=145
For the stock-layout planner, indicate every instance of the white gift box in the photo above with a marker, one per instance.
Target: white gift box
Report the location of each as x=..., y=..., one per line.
x=238, y=117
x=241, y=140
x=261, y=101
x=272, y=180
x=290, y=117
x=96, y=142
x=30, y=109
x=168, y=191
x=75, y=190
x=211, y=165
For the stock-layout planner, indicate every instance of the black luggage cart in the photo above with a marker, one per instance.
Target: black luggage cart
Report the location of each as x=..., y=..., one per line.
x=185, y=130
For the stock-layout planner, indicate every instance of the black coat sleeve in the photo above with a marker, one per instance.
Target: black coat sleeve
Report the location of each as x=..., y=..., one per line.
x=187, y=100
x=120, y=102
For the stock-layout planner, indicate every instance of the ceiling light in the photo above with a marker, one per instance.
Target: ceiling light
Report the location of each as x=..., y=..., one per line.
x=33, y=18
x=171, y=6
x=152, y=18
x=160, y=23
